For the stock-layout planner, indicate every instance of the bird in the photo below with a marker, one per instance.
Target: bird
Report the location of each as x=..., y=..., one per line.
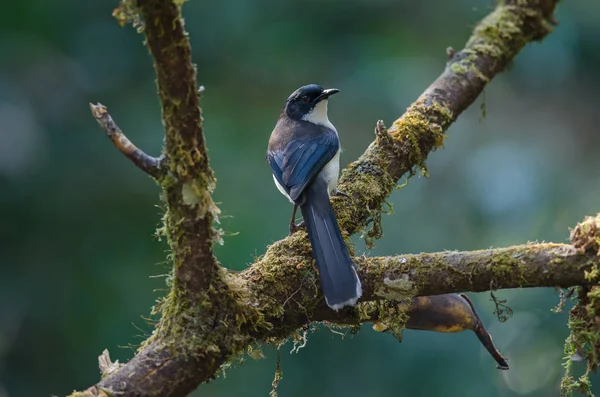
x=304, y=155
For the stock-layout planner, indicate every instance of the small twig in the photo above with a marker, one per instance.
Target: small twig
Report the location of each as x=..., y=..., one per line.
x=150, y=165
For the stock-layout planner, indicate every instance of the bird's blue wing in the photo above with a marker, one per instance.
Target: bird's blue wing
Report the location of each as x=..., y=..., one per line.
x=301, y=160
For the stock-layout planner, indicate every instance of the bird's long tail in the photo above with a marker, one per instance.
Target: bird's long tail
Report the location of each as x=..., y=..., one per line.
x=340, y=283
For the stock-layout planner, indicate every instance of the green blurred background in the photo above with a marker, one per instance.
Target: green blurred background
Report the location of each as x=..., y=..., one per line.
x=78, y=258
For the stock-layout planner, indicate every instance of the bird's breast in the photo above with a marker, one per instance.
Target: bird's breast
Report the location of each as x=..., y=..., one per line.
x=330, y=173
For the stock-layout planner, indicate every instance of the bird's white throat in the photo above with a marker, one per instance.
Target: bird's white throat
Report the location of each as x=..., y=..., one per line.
x=318, y=115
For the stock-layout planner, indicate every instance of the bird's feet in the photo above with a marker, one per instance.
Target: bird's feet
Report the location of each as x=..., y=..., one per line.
x=295, y=227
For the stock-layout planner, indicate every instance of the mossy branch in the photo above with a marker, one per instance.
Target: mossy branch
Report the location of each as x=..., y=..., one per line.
x=405, y=276
x=191, y=340
x=189, y=183
x=209, y=314
x=405, y=146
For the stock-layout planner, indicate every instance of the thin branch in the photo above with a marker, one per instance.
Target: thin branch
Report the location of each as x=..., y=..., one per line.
x=150, y=165
x=520, y=266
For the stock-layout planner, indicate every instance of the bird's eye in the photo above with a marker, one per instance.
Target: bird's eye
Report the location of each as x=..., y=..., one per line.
x=304, y=98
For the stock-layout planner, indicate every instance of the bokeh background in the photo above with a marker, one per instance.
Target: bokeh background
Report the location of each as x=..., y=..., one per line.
x=80, y=267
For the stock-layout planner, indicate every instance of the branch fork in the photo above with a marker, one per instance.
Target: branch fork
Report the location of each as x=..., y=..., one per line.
x=210, y=315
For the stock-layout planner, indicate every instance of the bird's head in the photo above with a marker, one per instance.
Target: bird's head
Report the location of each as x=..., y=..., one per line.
x=309, y=103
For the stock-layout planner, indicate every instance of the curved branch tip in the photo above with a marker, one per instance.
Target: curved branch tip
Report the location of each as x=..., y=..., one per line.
x=150, y=165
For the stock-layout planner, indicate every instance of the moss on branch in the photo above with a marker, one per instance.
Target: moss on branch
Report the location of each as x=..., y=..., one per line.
x=404, y=276
x=190, y=181
x=404, y=147
x=202, y=318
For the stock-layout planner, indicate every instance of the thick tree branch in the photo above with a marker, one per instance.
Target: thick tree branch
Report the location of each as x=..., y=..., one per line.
x=390, y=280
x=405, y=276
x=148, y=164
x=210, y=314
x=192, y=338
x=496, y=40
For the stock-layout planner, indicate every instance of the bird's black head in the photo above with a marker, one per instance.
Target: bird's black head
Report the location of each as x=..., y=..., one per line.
x=303, y=101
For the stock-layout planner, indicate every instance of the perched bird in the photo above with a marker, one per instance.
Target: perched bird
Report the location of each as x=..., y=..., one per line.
x=304, y=155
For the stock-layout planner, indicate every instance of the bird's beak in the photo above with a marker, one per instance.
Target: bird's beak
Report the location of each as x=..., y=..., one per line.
x=327, y=93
